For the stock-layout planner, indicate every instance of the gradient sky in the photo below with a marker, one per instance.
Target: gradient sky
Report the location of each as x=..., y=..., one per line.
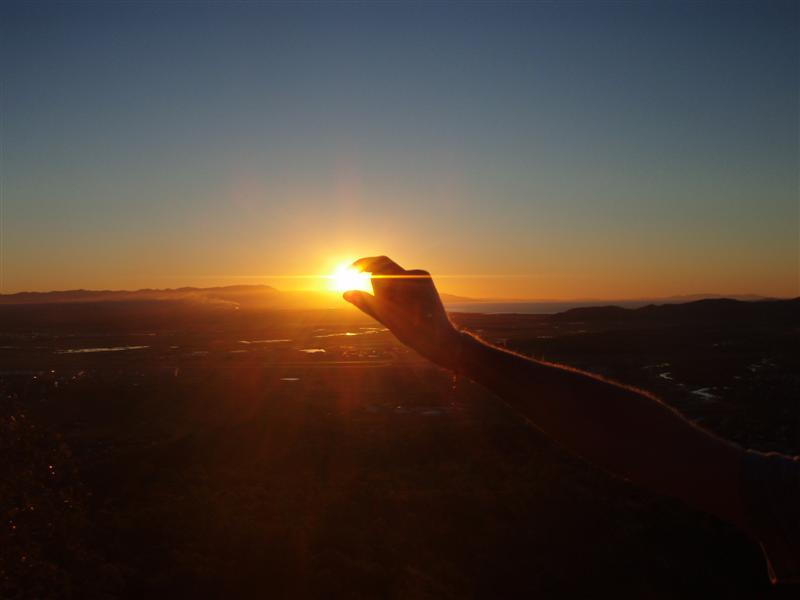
x=549, y=150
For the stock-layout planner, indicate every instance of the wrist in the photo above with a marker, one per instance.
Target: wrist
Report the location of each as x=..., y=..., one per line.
x=442, y=347
x=460, y=348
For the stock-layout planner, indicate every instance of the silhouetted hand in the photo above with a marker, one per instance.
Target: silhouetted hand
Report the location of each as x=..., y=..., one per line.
x=408, y=304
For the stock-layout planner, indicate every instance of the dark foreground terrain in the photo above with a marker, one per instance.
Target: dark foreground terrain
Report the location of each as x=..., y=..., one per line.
x=169, y=450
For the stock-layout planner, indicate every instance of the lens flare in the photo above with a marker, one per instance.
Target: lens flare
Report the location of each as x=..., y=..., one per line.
x=346, y=278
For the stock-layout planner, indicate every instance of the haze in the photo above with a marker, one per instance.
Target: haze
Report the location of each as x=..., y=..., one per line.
x=542, y=151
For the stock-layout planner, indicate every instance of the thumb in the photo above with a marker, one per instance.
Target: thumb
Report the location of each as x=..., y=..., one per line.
x=364, y=301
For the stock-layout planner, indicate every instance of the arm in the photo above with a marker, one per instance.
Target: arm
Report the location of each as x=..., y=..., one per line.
x=621, y=429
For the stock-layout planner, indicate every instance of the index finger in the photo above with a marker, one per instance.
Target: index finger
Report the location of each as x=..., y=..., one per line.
x=378, y=265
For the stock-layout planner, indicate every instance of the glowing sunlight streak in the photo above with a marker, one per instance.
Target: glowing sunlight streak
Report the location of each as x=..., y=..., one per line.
x=346, y=278
x=343, y=277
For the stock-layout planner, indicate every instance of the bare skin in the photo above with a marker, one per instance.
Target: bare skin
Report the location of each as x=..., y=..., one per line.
x=620, y=429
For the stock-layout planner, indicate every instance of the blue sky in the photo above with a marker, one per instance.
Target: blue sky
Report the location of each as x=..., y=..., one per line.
x=567, y=149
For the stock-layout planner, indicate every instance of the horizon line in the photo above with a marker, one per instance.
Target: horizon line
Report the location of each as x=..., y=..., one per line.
x=468, y=299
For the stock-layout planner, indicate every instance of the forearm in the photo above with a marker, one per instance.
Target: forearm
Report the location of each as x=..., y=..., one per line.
x=621, y=429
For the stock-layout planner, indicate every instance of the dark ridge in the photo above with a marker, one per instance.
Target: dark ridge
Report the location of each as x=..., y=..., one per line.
x=714, y=309
x=81, y=295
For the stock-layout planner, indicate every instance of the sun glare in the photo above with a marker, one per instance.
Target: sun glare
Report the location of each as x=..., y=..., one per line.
x=346, y=278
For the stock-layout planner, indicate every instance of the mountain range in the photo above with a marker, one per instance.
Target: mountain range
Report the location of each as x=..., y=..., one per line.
x=263, y=296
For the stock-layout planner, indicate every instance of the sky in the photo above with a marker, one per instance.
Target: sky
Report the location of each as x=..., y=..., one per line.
x=521, y=150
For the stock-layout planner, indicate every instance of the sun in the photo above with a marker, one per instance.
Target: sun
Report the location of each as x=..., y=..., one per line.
x=345, y=278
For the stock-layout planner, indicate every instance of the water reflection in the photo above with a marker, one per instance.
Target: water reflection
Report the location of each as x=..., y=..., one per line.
x=91, y=350
x=364, y=331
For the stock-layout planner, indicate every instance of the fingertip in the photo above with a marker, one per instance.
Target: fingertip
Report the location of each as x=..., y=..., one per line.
x=357, y=298
x=357, y=264
x=379, y=265
x=363, y=301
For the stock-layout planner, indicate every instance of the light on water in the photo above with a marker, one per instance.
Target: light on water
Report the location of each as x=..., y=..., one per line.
x=93, y=350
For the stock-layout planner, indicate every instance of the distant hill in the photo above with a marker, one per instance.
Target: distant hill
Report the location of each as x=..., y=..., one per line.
x=711, y=309
x=233, y=296
x=213, y=307
x=266, y=297
x=244, y=296
x=453, y=299
x=692, y=297
x=231, y=293
x=554, y=306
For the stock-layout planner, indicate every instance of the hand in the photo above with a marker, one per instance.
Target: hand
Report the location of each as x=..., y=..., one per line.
x=408, y=304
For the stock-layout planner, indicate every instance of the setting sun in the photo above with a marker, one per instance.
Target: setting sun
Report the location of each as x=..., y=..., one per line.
x=346, y=278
